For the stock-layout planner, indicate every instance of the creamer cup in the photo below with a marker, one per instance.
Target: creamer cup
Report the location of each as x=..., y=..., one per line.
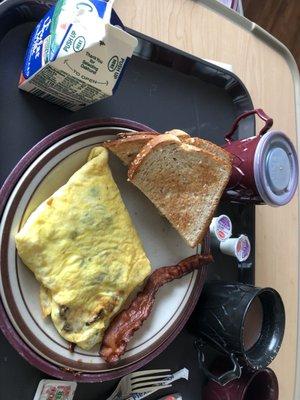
x=220, y=228
x=76, y=54
x=237, y=247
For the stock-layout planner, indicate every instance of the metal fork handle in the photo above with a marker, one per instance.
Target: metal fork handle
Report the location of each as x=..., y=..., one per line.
x=132, y=396
x=144, y=376
x=116, y=395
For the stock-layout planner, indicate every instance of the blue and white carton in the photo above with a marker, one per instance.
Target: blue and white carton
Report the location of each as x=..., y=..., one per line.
x=76, y=55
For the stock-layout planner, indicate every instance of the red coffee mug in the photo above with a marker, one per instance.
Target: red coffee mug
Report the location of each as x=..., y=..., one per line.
x=252, y=385
x=265, y=167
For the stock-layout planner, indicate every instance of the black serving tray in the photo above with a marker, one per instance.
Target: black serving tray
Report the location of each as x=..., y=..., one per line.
x=163, y=88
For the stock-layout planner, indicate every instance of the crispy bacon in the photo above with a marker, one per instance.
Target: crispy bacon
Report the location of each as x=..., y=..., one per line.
x=122, y=328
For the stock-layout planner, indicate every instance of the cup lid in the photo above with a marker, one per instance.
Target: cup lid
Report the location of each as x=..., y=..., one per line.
x=276, y=168
x=221, y=227
x=242, y=248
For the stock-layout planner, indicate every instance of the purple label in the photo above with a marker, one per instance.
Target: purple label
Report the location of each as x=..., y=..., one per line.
x=243, y=248
x=223, y=230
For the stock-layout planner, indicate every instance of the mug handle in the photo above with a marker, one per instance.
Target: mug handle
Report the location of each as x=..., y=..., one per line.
x=257, y=111
x=223, y=379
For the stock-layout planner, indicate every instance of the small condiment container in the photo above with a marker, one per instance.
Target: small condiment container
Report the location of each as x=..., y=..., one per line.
x=220, y=228
x=49, y=389
x=237, y=247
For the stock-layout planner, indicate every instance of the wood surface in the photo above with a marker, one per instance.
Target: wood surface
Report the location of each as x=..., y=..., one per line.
x=280, y=18
x=195, y=28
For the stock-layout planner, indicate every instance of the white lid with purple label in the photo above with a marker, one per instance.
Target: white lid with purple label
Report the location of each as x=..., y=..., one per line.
x=221, y=227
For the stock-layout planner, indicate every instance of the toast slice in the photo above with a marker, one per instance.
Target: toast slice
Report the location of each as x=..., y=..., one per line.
x=209, y=146
x=182, y=135
x=183, y=181
x=128, y=147
x=129, y=144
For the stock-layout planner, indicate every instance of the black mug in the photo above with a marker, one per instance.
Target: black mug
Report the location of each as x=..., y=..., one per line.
x=244, y=322
x=252, y=385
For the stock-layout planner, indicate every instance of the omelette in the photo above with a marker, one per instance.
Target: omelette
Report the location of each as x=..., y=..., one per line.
x=82, y=247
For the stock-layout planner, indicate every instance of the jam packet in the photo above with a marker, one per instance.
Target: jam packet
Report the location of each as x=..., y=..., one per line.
x=55, y=390
x=165, y=383
x=76, y=54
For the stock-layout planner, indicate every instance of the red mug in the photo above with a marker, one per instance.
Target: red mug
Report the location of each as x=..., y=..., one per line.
x=252, y=385
x=265, y=167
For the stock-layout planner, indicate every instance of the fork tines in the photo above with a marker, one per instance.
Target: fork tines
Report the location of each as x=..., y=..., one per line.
x=146, y=381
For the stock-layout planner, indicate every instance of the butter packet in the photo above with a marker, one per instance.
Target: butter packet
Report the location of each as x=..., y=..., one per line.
x=55, y=390
x=76, y=54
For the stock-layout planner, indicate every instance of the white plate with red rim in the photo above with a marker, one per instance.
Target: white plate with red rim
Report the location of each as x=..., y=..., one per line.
x=45, y=168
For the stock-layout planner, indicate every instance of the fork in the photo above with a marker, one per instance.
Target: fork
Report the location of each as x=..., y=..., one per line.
x=143, y=383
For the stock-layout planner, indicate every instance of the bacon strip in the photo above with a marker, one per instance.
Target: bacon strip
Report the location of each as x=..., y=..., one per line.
x=122, y=328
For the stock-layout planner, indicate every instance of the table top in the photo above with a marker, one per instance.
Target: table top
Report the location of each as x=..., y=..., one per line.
x=208, y=30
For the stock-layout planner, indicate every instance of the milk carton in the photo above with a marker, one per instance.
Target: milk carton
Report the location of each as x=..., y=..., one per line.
x=76, y=54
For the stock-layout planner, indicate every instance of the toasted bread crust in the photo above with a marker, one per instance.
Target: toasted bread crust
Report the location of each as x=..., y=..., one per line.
x=124, y=135
x=132, y=138
x=127, y=148
x=128, y=145
x=160, y=140
x=209, y=146
x=179, y=133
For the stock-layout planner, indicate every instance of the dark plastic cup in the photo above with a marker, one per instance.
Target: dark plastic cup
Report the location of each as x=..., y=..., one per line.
x=265, y=167
x=252, y=385
x=244, y=322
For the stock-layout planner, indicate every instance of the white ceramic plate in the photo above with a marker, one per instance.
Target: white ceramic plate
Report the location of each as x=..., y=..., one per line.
x=20, y=290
